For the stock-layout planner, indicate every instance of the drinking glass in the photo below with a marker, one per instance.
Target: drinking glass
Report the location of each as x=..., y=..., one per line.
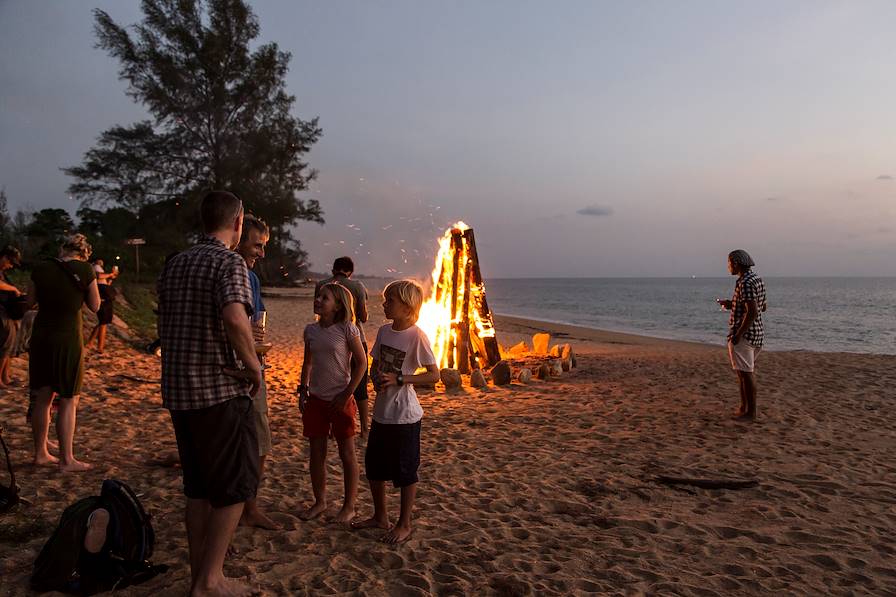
x=260, y=319
x=259, y=322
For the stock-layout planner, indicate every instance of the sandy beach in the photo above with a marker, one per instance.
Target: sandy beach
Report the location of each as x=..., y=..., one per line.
x=545, y=488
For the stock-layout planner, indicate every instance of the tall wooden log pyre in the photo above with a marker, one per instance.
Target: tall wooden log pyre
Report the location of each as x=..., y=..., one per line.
x=474, y=344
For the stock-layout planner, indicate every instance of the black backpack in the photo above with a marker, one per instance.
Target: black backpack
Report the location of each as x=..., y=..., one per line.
x=64, y=565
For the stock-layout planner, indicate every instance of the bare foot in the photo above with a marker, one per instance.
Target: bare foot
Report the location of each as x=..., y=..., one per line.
x=75, y=466
x=52, y=444
x=345, y=515
x=747, y=417
x=370, y=523
x=97, y=524
x=397, y=534
x=314, y=511
x=45, y=459
x=229, y=587
x=258, y=519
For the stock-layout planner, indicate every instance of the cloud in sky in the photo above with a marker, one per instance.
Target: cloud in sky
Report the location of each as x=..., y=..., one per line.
x=595, y=210
x=884, y=177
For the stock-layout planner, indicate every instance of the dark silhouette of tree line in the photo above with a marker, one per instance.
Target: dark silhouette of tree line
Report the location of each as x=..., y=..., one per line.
x=220, y=117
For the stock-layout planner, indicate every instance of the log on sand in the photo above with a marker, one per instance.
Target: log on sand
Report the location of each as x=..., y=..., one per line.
x=708, y=483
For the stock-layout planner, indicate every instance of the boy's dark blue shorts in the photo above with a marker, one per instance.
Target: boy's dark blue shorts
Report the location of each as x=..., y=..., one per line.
x=393, y=453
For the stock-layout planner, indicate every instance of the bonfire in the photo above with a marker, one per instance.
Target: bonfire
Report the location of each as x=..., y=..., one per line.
x=455, y=316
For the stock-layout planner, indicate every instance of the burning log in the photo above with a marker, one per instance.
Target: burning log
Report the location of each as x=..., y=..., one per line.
x=456, y=317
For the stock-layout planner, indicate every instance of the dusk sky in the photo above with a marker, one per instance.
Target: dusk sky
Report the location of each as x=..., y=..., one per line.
x=577, y=138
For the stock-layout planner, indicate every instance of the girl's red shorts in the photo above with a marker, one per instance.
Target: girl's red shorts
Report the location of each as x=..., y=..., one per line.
x=319, y=420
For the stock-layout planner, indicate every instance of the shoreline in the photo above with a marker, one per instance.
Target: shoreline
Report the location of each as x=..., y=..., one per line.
x=514, y=325
x=588, y=334
x=591, y=334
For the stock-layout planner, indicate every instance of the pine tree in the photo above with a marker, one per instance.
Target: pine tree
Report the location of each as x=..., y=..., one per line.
x=221, y=118
x=5, y=221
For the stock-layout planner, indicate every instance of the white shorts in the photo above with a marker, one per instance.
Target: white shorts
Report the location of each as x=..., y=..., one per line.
x=743, y=355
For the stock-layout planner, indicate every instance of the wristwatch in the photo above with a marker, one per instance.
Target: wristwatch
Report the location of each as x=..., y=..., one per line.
x=399, y=379
x=302, y=389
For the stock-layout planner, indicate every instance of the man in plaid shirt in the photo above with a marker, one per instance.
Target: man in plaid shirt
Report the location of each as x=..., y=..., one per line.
x=209, y=373
x=745, y=333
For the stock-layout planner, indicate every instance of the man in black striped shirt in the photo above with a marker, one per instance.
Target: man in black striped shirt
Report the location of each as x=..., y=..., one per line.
x=745, y=333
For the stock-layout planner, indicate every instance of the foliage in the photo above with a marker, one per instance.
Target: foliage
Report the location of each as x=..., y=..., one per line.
x=221, y=118
x=5, y=220
x=137, y=307
x=37, y=234
x=51, y=222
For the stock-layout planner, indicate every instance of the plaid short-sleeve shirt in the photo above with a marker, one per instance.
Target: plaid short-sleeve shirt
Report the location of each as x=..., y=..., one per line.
x=749, y=287
x=194, y=288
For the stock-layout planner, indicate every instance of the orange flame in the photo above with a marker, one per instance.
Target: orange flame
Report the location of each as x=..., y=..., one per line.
x=435, y=316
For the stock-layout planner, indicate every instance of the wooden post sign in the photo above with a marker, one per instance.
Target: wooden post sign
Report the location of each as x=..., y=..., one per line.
x=136, y=242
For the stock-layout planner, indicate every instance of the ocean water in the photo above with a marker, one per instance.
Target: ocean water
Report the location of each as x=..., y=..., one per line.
x=819, y=314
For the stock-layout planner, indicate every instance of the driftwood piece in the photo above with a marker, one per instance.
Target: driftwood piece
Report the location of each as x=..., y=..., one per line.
x=138, y=379
x=708, y=483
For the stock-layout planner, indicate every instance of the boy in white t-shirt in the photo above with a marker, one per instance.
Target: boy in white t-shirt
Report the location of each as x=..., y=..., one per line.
x=393, y=449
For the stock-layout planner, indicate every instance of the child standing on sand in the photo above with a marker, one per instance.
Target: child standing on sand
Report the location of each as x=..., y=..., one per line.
x=329, y=377
x=393, y=449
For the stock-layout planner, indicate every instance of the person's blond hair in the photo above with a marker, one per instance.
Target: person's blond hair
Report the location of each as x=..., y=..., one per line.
x=76, y=244
x=408, y=292
x=346, y=302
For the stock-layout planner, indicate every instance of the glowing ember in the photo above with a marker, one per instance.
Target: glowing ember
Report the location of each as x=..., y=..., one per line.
x=456, y=317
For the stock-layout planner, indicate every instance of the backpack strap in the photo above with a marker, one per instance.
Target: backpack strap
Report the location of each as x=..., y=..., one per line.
x=13, y=488
x=71, y=274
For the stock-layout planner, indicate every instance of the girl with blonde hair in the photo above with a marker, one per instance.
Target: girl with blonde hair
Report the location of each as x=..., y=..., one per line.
x=332, y=368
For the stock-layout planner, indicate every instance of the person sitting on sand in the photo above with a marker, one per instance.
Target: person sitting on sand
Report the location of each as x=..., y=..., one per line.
x=332, y=368
x=745, y=333
x=56, y=362
x=343, y=268
x=393, y=449
x=204, y=304
x=251, y=248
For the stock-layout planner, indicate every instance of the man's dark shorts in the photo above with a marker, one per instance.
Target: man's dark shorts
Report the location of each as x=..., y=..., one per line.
x=393, y=453
x=361, y=391
x=218, y=449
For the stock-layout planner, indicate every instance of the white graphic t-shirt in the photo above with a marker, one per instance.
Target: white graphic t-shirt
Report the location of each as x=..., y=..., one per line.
x=400, y=352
